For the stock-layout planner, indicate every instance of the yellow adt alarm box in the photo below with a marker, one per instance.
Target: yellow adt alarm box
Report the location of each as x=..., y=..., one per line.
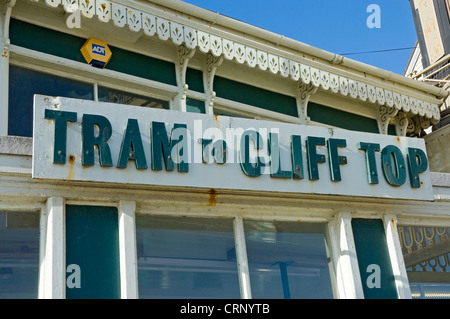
x=96, y=52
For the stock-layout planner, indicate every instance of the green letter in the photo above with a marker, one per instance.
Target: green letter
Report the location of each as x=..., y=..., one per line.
x=371, y=164
x=274, y=153
x=220, y=151
x=244, y=151
x=61, y=118
x=90, y=140
x=313, y=157
x=132, y=147
x=416, y=167
x=296, y=157
x=162, y=147
x=205, y=154
x=395, y=173
x=179, y=150
x=335, y=159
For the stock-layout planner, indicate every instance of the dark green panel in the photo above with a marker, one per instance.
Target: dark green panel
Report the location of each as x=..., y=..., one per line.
x=142, y=66
x=247, y=94
x=45, y=40
x=391, y=130
x=331, y=116
x=371, y=249
x=68, y=46
x=194, y=79
x=342, y=119
x=92, y=243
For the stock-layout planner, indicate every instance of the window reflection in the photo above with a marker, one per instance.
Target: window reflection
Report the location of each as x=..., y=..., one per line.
x=24, y=83
x=287, y=260
x=115, y=96
x=19, y=255
x=186, y=258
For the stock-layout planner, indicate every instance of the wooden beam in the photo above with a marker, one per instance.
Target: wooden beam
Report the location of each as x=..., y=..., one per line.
x=429, y=277
x=427, y=253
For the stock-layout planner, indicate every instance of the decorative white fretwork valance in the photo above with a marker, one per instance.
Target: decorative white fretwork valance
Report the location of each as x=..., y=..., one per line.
x=154, y=26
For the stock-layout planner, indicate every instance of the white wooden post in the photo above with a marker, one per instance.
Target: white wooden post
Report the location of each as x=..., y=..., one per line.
x=52, y=274
x=127, y=248
x=348, y=278
x=241, y=258
x=5, y=15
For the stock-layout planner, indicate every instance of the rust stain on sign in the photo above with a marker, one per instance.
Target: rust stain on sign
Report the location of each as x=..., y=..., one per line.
x=216, y=120
x=72, y=159
x=212, y=197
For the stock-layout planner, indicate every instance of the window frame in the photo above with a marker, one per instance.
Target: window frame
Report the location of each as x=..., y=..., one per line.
x=240, y=243
x=46, y=63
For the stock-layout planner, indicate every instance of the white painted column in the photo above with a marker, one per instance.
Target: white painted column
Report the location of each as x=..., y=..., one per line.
x=4, y=73
x=42, y=250
x=52, y=274
x=348, y=278
x=241, y=258
x=128, y=250
x=96, y=92
x=396, y=256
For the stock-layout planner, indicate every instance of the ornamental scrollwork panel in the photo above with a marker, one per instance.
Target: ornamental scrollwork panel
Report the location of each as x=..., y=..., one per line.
x=425, y=249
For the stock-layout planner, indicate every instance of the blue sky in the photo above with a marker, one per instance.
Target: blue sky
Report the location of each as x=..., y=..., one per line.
x=338, y=26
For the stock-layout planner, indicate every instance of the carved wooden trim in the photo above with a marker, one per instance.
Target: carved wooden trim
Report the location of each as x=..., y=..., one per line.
x=385, y=115
x=153, y=25
x=212, y=62
x=184, y=54
x=304, y=92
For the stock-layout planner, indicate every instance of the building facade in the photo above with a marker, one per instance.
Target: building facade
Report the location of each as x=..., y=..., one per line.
x=154, y=149
x=429, y=63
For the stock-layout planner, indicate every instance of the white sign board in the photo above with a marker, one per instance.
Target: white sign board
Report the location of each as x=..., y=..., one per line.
x=103, y=142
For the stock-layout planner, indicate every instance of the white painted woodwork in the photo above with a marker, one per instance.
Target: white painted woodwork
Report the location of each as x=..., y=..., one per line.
x=348, y=279
x=127, y=250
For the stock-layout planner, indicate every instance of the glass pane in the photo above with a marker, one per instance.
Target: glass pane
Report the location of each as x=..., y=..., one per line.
x=186, y=258
x=19, y=255
x=24, y=83
x=426, y=252
x=195, y=106
x=287, y=260
x=430, y=290
x=116, y=96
